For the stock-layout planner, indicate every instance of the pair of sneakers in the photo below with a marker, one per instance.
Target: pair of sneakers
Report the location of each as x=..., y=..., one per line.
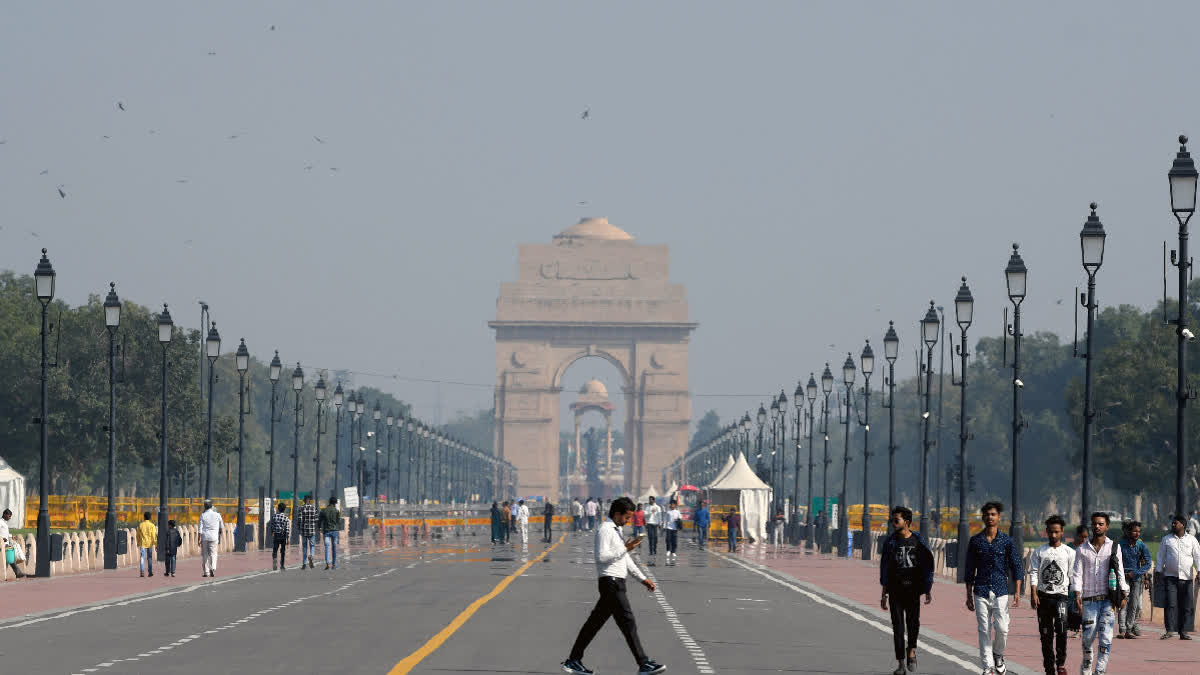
x=575, y=666
x=998, y=669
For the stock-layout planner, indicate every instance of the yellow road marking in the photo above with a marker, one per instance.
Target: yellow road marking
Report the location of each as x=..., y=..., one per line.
x=405, y=666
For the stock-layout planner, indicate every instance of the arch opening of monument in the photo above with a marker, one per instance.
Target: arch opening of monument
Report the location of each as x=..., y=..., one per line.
x=592, y=414
x=591, y=292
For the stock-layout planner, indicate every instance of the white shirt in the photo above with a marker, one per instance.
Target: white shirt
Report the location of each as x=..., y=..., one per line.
x=4, y=533
x=523, y=514
x=673, y=518
x=1089, y=574
x=577, y=509
x=210, y=525
x=1178, y=557
x=612, y=559
x=1193, y=527
x=653, y=514
x=1050, y=569
x=591, y=508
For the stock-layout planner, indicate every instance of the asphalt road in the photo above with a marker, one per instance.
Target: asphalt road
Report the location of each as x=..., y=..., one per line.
x=713, y=615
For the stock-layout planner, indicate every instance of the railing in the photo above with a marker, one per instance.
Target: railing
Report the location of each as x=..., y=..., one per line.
x=68, y=512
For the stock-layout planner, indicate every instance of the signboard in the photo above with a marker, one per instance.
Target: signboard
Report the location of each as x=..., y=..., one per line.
x=818, y=505
x=350, y=497
x=287, y=495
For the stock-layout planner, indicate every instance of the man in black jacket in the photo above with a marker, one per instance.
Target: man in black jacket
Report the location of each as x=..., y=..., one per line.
x=905, y=573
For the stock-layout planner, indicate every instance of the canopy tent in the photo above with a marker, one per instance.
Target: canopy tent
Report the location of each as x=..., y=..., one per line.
x=652, y=492
x=12, y=493
x=673, y=489
x=724, y=470
x=740, y=486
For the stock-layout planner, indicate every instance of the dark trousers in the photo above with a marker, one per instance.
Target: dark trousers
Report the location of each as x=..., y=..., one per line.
x=1052, y=627
x=672, y=540
x=1178, y=612
x=575, y=523
x=548, y=527
x=905, y=607
x=702, y=535
x=652, y=535
x=614, y=603
x=279, y=547
x=170, y=563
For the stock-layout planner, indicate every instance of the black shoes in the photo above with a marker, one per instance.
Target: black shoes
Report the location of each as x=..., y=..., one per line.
x=651, y=668
x=576, y=667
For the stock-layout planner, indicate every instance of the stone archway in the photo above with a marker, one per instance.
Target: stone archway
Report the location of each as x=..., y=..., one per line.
x=591, y=292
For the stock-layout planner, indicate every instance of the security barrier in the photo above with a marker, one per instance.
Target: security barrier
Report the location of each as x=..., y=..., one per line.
x=68, y=512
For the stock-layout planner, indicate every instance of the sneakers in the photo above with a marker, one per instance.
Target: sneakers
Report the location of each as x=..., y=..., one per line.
x=1000, y=668
x=1062, y=670
x=1167, y=636
x=1136, y=631
x=988, y=671
x=651, y=668
x=1182, y=636
x=576, y=667
x=326, y=565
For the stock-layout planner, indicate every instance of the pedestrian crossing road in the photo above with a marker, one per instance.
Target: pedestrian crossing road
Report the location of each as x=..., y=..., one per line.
x=462, y=605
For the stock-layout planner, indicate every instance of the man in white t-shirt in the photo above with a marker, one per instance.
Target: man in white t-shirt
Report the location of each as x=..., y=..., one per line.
x=1050, y=568
x=592, y=509
x=673, y=521
x=576, y=514
x=210, y=532
x=523, y=521
x=653, y=522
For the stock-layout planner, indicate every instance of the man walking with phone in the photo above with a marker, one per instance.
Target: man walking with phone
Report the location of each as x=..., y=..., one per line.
x=613, y=564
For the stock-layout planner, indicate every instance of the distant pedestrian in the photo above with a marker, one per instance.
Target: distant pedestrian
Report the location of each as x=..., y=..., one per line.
x=992, y=562
x=778, y=523
x=523, y=521
x=1099, y=576
x=576, y=514
x=733, y=523
x=281, y=529
x=512, y=516
x=591, y=508
x=638, y=520
x=1177, y=561
x=1135, y=556
x=8, y=543
x=702, y=520
x=820, y=524
x=211, y=526
x=1193, y=525
x=614, y=564
x=1050, y=568
x=147, y=539
x=548, y=521
x=497, y=523
x=1074, y=617
x=331, y=529
x=653, y=522
x=905, y=574
x=307, y=522
x=672, y=524
x=171, y=548
x=506, y=518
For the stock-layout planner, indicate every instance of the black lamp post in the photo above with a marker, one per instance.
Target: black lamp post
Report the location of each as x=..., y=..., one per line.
x=930, y=332
x=112, y=320
x=848, y=370
x=1091, y=246
x=1015, y=275
x=746, y=425
x=771, y=475
x=758, y=461
x=388, y=421
x=1182, y=177
x=212, y=350
x=377, y=415
x=361, y=410
x=319, y=392
x=339, y=398
x=867, y=361
x=297, y=387
x=964, y=310
x=165, y=328
x=810, y=393
x=242, y=359
x=43, y=284
x=780, y=482
x=410, y=449
x=798, y=400
x=891, y=350
x=827, y=389
x=276, y=369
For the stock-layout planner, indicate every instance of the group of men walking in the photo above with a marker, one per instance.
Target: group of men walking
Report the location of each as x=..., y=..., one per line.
x=308, y=519
x=1094, y=586
x=511, y=518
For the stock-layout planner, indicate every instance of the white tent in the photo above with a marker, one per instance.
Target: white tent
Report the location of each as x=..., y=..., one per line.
x=724, y=470
x=652, y=492
x=673, y=489
x=12, y=493
x=740, y=486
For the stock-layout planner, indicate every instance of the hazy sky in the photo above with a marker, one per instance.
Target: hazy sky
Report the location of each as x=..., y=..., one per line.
x=816, y=168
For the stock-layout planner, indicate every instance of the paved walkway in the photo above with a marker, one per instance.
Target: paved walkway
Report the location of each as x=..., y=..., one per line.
x=948, y=615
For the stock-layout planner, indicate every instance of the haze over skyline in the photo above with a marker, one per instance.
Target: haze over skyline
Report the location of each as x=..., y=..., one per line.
x=350, y=187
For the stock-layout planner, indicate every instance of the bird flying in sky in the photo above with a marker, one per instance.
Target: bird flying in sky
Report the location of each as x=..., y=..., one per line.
x=587, y=113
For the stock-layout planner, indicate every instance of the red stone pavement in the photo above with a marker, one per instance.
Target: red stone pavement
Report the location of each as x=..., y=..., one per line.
x=36, y=596
x=859, y=581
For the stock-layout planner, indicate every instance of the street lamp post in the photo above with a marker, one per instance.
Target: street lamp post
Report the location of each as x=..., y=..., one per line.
x=930, y=332
x=297, y=386
x=827, y=389
x=891, y=350
x=745, y=435
x=1015, y=275
x=798, y=400
x=276, y=369
x=361, y=408
x=867, y=361
x=377, y=415
x=212, y=349
x=810, y=393
x=112, y=320
x=758, y=462
x=339, y=397
x=1183, y=204
x=772, y=477
x=165, y=328
x=964, y=310
x=783, y=404
x=388, y=421
x=319, y=394
x=848, y=370
x=242, y=360
x=43, y=284
x=1091, y=246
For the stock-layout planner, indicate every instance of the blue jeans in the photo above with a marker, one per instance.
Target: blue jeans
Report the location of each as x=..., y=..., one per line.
x=733, y=532
x=331, y=542
x=146, y=560
x=702, y=535
x=308, y=546
x=1098, y=621
x=638, y=529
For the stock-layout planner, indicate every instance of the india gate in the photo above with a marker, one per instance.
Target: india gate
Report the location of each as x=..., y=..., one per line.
x=591, y=291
